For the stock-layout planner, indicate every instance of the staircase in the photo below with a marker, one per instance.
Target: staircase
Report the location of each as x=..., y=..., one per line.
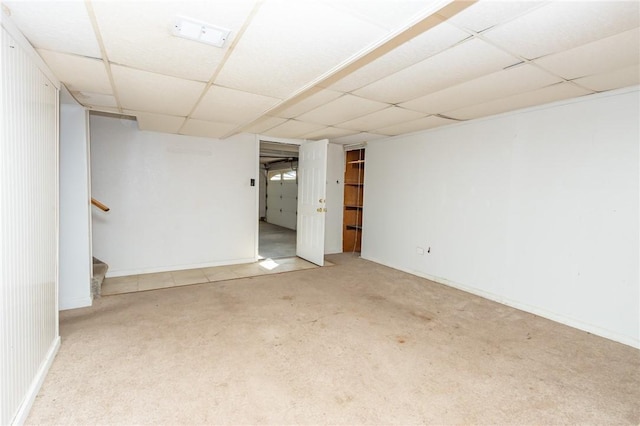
x=99, y=271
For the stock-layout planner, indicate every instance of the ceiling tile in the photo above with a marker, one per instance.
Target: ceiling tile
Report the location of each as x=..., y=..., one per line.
x=624, y=77
x=145, y=91
x=500, y=84
x=78, y=73
x=421, y=47
x=357, y=138
x=328, y=133
x=293, y=129
x=206, y=129
x=562, y=25
x=486, y=14
x=465, y=61
x=384, y=13
x=618, y=51
x=263, y=124
x=344, y=108
x=155, y=48
x=415, y=125
x=320, y=98
x=63, y=26
x=158, y=122
x=89, y=99
x=382, y=118
x=269, y=61
x=522, y=100
x=231, y=106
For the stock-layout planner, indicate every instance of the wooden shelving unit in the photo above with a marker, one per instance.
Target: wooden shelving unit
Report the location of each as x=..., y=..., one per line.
x=353, y=196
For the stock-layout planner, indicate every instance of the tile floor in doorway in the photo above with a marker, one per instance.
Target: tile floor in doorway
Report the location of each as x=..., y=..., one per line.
x=142, y=282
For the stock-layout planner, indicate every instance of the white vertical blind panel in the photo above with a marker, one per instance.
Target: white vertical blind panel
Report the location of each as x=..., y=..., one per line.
x=28, y=224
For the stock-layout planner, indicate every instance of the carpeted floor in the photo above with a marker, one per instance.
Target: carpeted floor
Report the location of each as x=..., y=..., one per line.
x=356, y=343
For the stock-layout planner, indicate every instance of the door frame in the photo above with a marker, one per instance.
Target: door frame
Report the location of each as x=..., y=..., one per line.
x=264, y=138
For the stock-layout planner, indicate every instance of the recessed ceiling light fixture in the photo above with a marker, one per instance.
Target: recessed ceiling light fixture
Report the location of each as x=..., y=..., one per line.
x=200, y=31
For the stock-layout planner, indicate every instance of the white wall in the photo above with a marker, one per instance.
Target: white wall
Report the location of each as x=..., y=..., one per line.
x=177, y=202
x=335, y=199
x=75, y=241
x=29, y=336
x=537, y=209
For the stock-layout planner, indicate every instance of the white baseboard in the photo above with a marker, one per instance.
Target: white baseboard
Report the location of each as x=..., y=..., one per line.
x=79, y=302
x=23, y=412
x=562, y=319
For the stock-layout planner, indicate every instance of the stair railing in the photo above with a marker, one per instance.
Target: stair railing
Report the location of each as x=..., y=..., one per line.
x=99, y=205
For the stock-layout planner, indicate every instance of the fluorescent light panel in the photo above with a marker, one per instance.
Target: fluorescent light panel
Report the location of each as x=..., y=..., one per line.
x=200, y=31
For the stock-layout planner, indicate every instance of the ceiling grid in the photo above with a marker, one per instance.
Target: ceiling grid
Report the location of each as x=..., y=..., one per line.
x=345, y=70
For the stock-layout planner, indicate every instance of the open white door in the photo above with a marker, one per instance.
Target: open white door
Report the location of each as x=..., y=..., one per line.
x=312, y=189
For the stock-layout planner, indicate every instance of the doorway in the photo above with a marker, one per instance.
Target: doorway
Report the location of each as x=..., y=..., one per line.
x=278, y=193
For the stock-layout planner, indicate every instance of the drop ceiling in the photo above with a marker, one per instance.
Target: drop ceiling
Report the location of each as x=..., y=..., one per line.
x=346, y=70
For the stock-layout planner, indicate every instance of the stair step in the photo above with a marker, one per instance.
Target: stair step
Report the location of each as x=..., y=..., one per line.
x=99, y=271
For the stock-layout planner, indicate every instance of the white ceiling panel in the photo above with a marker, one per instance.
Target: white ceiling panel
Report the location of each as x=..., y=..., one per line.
x=624, y=77
x=293, y=129
x=383, y=118
x=63, y=26
x=522, y=100
x=231, y=106
x=500, y=84
x=421, y=47
x=155, y=48
x=269, y=75
x=157, y=122
x=342, y=109
x=290, y=43
x=89, y=99
x=206, y=129
x=145, y=91
x=465, y=61
x=425, y=123
x=384, y=13
x=78, y=73
x=307, y=104
x=357, y=138
x=263, y=124
x=562, y=25
x=485, y=14
x=618, y=51
x=329, y=133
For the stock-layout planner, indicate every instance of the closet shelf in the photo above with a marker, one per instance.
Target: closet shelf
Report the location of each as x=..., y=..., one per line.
x=353, y=200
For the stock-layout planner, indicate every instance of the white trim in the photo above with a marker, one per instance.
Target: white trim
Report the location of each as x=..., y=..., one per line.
x=25, y=407
x=289, y=141
x=78, y=302
x=256, y=244
x=125, y=273
x=562, y=319
x=21, y=40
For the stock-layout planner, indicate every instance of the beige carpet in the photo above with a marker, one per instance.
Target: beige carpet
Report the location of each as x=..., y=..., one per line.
x=356, y=343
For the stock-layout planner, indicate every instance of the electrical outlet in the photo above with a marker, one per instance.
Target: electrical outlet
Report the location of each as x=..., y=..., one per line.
x=420, y=251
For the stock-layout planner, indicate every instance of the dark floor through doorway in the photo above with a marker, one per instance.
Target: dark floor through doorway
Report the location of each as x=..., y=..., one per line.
x=275, y=241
